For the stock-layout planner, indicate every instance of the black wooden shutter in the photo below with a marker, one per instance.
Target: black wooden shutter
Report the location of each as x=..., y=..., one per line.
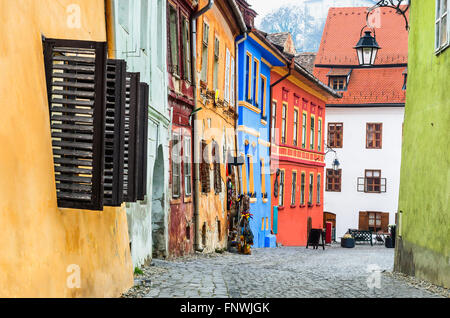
x=75, y=76
x=131, y=108
x=142, y=137
x=114, y=132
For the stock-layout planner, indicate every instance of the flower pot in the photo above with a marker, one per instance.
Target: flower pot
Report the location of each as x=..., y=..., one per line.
x=388, y=242
x=347, y=242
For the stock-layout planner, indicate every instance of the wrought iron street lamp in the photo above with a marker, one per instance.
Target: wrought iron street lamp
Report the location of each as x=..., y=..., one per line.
x=367, y=46
x=336, y=165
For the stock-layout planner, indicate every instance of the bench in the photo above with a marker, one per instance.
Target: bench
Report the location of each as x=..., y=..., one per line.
x=361, y=236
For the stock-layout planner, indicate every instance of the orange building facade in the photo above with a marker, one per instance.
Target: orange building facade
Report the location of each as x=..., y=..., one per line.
x=297, y=153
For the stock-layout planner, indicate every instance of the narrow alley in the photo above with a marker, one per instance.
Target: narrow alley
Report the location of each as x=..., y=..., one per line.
x=287, y=272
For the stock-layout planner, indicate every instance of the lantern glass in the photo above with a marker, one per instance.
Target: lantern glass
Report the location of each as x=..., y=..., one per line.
x=336, y=165
x=367, y=49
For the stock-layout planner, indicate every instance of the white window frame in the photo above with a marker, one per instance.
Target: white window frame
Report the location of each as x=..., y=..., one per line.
x=439, y=47
x=176, y=163
x=233, y=79
x=187, y=158
x=227, y=77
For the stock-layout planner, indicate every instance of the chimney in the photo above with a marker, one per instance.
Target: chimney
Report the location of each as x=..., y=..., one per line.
x=248, y=13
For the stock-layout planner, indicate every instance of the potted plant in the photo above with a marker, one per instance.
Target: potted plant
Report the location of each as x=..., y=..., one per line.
x=347, y=241
x=390, y=240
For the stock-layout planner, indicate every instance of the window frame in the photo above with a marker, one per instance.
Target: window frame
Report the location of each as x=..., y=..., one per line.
x=311, y=189
x=281, y=194
x=312, y=132
x=187, y=165
x=363, y=182
x=274, y=118
x=248, y=74
x=338, y=79
x=186, y=58
x=205, y=52
x=374, y=132
x=176, y=161
x=302, y=188
x=439, y=16
x=338, y=135
x=336, y=183
x=319, y=134
x=318, y=188
x=255, y=81
x=293, y=187
x=304, y=129
x=284, y=122
x=174, y=56
x=295, y=132
x=263, y=90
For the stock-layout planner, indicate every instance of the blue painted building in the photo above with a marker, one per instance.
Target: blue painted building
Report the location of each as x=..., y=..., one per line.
x=254, y=62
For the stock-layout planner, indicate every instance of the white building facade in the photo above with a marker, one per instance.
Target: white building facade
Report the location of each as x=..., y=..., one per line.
x=350, y=201
x=140, y=39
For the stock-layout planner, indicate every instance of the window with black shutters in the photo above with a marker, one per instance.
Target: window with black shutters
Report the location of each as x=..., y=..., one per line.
x=130, y=183
x=217, y=172
x=204, y=169
x=114, y=132
x=75, y=77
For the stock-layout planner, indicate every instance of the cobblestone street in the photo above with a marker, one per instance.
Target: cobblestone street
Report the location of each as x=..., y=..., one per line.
x=287, y=272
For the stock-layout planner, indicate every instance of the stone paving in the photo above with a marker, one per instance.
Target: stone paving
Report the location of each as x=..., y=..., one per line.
x=286, y=272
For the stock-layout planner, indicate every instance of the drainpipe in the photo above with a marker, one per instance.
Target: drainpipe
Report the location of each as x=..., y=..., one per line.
x=236, y=80
x=196, y=143
x=291, y=66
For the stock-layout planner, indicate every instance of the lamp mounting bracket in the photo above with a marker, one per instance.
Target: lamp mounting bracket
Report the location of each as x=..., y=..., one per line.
x=394, y=4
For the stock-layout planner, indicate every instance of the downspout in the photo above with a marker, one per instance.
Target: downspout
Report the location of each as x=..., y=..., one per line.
x=196, y=143
x=291, y=66
x=236, y=72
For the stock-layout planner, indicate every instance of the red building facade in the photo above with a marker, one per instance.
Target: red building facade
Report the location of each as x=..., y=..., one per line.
x=181, y=103
x=297, y=153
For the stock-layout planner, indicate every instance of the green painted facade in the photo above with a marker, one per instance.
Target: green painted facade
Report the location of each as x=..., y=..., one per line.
x=423, y=248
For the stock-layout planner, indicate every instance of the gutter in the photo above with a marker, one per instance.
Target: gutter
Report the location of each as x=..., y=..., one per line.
x=236, y=81
x=196, y=143
x=291, y=66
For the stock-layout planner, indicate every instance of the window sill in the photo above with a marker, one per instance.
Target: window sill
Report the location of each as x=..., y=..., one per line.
x=318, y=204
x=293, y=206
x=253, y=200
x=302, y=206
x=280, y=208
x=437, y=52
x=188, y=199
x=175, y=201
x=265, y=200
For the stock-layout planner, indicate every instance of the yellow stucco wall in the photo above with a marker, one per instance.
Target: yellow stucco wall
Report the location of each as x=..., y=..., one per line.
x=212, y=206
x=39, y=241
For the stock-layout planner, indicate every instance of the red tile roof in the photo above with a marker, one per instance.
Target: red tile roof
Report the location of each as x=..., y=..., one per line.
x=342, y=32
x=367, y=85
x=370, y=86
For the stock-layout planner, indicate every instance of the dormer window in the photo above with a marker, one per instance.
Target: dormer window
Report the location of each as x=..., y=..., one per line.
x=405, y=78
x=339, y=78
x=338, y=83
